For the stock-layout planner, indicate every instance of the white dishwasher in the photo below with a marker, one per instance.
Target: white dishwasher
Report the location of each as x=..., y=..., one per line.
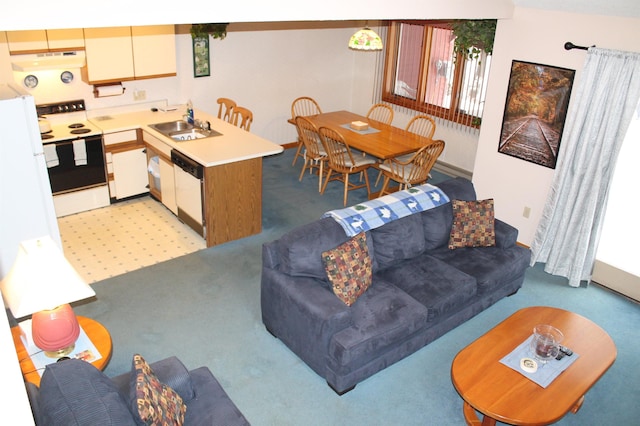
x=189, y=185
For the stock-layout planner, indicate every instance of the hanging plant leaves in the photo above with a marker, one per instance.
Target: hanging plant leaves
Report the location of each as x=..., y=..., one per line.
x=218, y=30
x=474, y=36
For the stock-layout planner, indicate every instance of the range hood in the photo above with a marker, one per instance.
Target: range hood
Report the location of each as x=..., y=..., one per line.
x=48, y=61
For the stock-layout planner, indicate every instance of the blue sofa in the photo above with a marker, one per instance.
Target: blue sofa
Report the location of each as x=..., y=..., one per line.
x=420, y=290
x=74, y=392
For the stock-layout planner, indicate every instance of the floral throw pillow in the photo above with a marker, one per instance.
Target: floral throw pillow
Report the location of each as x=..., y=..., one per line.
x=153, y=401
x=348, y=268
x=473, y=224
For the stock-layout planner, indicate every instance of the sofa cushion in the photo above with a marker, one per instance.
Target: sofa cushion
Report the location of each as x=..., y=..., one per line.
x=473, y=224
x=441, y=288
x=348, y=268
x=74, y=392
x=301, y=248
x=436, y=225
x=381, y=318
x=490, y=266
x=152, y=401
x=398, y=240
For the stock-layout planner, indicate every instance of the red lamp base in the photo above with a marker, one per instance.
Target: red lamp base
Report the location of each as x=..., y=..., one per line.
x=55, y=331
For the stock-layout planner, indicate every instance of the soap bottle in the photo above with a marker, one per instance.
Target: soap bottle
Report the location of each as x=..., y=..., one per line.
x=190, y=119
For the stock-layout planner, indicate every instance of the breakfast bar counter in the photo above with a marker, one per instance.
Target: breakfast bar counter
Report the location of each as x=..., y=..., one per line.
x=224, y=202
x=234, y=144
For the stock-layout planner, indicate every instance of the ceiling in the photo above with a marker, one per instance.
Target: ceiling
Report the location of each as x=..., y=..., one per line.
x=625, y=8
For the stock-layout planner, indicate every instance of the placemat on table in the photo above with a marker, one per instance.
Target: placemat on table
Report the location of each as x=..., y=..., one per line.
x=546, y=373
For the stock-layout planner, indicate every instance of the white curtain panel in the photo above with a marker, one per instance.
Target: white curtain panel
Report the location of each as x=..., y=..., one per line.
x=566, y=239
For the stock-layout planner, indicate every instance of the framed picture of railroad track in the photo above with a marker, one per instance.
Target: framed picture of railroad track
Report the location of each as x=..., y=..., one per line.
x=535, y=112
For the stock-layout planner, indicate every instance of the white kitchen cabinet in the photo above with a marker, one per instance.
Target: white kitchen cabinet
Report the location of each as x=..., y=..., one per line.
x=154, y=51
x=130, y=173
x=166, y=193
x=38, y=41
x=129, y=53
x=109, y=55
x=126, y=161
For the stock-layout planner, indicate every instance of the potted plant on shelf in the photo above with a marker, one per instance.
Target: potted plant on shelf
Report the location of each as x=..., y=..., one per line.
x=474, y=36
x=205, y=30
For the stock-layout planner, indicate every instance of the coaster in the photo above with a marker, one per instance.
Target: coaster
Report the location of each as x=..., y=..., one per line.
x=529, y=365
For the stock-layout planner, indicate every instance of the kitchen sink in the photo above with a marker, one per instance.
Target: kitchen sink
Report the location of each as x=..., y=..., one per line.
x=181, y=130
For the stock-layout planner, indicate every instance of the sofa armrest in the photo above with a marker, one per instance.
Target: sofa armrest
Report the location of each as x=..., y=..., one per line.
x=303, y=313
x=506, y=235
x=211, y=404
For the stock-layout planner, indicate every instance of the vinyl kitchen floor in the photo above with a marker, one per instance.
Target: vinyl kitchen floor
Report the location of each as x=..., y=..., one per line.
x=123, y=237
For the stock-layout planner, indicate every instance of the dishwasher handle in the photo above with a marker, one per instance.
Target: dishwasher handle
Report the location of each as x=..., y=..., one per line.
x=190, y=166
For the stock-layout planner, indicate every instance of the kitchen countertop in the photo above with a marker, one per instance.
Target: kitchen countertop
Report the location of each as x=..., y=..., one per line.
x=233, y=145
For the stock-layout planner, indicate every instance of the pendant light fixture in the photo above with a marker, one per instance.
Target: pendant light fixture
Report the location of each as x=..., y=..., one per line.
x=365, y=39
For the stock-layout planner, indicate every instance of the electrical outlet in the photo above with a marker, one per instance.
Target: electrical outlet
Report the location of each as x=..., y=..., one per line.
x=526, y=212
x=139, y=95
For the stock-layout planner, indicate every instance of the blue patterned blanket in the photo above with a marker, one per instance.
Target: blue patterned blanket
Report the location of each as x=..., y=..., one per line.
x=375, y=213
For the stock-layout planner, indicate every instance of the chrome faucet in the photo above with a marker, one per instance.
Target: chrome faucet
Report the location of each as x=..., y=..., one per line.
x=204, y=125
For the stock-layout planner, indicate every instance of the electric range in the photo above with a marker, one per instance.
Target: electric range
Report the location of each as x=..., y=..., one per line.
x=74, y=154
x=68, y=121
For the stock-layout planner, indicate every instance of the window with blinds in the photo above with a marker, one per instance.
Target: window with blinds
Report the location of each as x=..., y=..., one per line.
x=422, y=72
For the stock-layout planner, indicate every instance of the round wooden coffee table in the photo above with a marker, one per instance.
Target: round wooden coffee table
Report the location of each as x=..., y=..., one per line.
x=502, y=394
x=95, y=331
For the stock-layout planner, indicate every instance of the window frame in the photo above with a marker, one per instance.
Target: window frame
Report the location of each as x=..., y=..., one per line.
x=390, y=69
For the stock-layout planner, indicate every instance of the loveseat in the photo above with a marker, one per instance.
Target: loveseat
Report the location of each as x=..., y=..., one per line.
x=420, y=289
x=74, y=392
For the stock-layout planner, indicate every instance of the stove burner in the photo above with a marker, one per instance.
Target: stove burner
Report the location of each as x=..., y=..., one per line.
x=79, y=131
x=76, y=126
x=44, y=136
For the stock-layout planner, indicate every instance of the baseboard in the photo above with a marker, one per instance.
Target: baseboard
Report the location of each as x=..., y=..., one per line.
x=290, y=145
x=452, y=170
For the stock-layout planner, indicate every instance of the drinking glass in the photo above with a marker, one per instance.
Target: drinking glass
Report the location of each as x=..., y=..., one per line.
x=545, y=343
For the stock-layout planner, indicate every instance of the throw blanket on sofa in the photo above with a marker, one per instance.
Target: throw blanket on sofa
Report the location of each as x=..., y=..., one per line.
x=375, y=213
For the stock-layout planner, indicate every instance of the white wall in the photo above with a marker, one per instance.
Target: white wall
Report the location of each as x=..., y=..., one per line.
x=534, y=36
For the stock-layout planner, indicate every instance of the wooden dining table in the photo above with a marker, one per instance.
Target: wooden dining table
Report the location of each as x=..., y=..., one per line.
x=381, y=140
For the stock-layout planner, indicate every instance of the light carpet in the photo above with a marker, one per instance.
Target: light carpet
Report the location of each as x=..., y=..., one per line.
x=205, y=308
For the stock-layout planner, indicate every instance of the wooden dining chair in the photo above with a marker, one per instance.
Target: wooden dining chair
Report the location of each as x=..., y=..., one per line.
x=381, y=112
x=314, y=154
x=242, y=117
x=411, y=172
x=422, y=125
x=303, y=106
x=225, y=110
x=342, y=161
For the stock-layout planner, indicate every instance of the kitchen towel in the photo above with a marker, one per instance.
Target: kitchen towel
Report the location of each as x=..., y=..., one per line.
x=51, y=155
x=80, y=152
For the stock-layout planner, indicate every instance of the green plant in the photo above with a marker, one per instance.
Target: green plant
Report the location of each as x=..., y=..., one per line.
x=205, y=30
x=474, y=36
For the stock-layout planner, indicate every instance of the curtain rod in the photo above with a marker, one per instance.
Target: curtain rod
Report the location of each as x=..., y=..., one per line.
x=568, y=46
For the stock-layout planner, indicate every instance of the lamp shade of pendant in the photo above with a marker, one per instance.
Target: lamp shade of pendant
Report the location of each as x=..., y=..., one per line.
x=365, y=39
x=55, y=331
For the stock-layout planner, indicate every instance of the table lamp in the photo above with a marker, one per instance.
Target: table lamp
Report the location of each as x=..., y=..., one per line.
x=42, y=283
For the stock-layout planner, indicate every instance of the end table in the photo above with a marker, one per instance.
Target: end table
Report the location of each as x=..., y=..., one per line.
x=95, y=331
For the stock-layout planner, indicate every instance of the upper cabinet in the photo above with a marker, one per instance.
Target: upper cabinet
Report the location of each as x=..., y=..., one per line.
x=109, y=54
x=38, y=41
x=129, y=53
x=154, y=51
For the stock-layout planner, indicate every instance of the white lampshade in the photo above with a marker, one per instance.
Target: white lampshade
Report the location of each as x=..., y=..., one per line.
x=365, y=39
x=41, y=279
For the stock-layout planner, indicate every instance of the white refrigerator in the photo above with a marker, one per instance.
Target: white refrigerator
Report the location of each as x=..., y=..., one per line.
x=26, y=202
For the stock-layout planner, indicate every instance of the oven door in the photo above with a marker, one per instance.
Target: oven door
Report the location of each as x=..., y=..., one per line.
x=80, y=165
